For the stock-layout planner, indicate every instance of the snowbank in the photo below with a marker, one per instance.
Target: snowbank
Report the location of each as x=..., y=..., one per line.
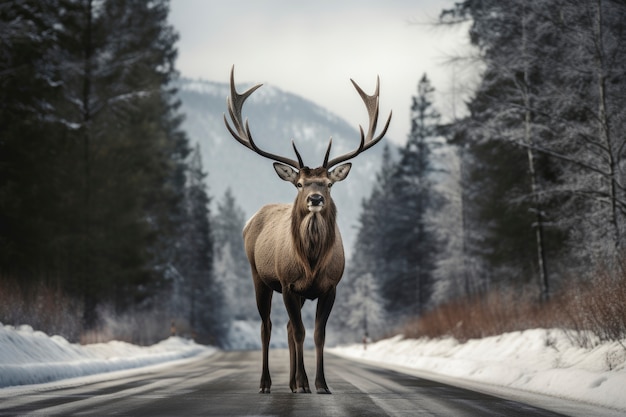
x=32, y=357
x=540, y=361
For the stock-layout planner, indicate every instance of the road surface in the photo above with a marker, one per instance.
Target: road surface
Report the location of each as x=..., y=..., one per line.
x=226, y=384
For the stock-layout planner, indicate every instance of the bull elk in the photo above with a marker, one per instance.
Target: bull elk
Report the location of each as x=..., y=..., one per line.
x=296, y=249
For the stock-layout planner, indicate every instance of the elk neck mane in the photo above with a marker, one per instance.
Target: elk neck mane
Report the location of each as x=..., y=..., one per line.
x=313, y=236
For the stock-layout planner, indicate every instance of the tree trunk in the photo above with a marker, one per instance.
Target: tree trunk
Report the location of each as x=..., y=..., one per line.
x=89, y=312
x=603, y=123
x=544, y=287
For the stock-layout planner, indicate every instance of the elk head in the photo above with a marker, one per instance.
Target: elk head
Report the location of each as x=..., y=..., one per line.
x=313, y=184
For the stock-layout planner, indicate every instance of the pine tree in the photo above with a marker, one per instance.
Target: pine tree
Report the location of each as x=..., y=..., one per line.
x=396, y=247
x=587, y=101
x=129, y=146
x=365, y=308
x=509, y=116
x=453, y=274
x=30, y=143
x=200, y=300
x=369, y=262
x=106, y=156
x=229, y=253
x=411, y=253
x=546, y=90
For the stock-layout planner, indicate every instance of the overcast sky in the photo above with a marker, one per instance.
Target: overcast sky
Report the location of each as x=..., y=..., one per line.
x=312, y=48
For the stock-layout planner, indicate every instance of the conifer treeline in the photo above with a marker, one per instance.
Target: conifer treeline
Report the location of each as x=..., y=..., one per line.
x=96, y=195
x=532, y=194
x=543, y=149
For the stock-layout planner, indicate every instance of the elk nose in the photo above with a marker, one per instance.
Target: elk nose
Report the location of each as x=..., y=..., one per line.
x=316, y=200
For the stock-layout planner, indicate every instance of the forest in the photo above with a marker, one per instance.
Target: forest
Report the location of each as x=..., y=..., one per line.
x=104, y=220
x=511, y=216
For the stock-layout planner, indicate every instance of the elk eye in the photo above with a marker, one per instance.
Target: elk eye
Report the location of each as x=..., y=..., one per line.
x=330, y=184
x=299, y=185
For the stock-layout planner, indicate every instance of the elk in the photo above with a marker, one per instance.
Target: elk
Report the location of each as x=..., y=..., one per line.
x=296, y=249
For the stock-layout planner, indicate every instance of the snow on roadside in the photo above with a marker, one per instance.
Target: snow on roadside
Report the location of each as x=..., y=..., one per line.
x=540, y=361
x=32, y=357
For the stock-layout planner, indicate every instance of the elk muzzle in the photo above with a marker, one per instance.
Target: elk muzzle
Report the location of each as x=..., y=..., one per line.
x=315, y=202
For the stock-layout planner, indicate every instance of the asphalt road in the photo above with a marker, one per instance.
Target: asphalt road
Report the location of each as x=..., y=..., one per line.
x=226, y=384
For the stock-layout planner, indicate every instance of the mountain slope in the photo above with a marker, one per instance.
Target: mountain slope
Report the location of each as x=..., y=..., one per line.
x=275, y=118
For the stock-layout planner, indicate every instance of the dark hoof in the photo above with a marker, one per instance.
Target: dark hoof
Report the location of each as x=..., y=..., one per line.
x=323, y=391
x=302, y=391
x=264, y=391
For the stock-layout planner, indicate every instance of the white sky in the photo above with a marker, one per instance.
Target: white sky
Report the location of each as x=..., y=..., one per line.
x=313, y=48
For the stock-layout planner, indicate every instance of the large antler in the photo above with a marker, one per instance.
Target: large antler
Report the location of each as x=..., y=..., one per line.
x=241, y=132
x=371, y=102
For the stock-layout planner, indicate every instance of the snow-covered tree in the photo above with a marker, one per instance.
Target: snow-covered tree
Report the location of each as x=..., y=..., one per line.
x=234, y=269
x=541, y=136
x=90, y=131
x=364, y=307
x=198, y=297
x=412, y=249
x=451, y=272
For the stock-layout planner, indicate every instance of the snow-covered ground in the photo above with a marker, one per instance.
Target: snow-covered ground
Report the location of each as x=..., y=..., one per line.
x=539, y=361
x=536, y=361
x=32, y=357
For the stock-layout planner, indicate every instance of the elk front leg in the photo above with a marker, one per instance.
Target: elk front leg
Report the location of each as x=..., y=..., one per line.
x=298, y=381
x=324, y=307
x=264, y=305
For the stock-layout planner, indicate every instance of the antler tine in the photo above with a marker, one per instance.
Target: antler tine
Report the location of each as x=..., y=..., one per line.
x=300, y=163
x=367, y=141
x=241, y=131
x=330, y=143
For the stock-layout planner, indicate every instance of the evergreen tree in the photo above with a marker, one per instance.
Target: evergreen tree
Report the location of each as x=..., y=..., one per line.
x=454, y=275
x=545, y=96
x=508, y=179
x=199, y=300
x=411, y=252
x=93, y=135
x=376, y=230
x=369, y=262
x=586, y=99
x=229, y=253
x=128, y=147
x=365, y=307
x=31, y=173
x=396, y=246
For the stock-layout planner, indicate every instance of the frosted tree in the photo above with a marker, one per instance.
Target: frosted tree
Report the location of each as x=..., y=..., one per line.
x=412, y=250
x=589, y=143
x=196, y=294
x=504, y=119
x=452, y=270
x=364, y=307
x=551, y=88
x=369, y=255
x=89, y=119
x=224, y=270
x=229, y=221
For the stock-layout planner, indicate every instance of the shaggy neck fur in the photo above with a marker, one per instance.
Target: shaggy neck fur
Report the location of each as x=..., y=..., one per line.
x=313, y=235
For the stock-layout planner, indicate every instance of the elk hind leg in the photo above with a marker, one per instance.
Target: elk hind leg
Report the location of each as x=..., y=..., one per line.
x=264, y=305
x=324, y=307
x=298, y=381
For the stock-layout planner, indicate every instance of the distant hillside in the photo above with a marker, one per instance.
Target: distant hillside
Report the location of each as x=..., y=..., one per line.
x=275, y=118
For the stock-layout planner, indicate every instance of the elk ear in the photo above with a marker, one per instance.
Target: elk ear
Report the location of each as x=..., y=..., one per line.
x=286, y=172
x=340, y=173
